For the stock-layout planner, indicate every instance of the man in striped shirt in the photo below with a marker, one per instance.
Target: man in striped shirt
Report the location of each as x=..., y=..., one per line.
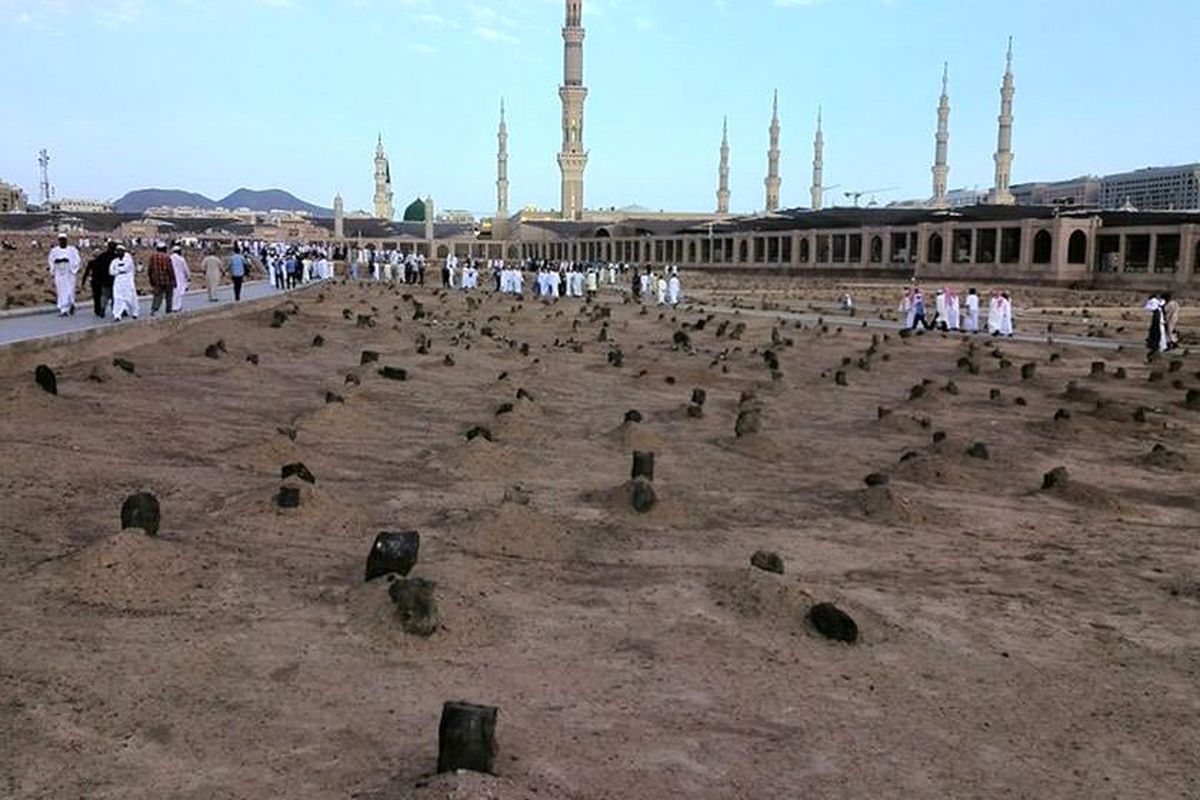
x=161, y=273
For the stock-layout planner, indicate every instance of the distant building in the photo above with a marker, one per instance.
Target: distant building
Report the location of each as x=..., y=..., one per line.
x=1083, y=191
x=456, y=216
x=73, y=205
x=1153, y=189
x=12, y=199
x=960, y=198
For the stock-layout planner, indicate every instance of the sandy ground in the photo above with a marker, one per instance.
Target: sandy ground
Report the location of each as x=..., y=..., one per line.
x=1015, y=643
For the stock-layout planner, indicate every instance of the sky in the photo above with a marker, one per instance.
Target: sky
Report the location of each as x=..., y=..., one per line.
x=213, y=95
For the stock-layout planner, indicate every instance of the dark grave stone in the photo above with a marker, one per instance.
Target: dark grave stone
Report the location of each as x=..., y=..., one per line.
x=393, y=553
x=141, y=510
x=833, y=623
x=467, y=738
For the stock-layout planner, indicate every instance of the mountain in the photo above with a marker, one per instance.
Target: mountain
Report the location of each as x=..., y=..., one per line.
x=271, y=200
x=137, y=202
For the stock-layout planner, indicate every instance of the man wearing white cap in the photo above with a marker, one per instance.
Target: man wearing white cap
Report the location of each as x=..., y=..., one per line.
x=180, y=266
x=125, y=299
x=64, y=266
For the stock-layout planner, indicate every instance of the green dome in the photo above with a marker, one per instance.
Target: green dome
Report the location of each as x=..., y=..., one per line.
x=415, y=211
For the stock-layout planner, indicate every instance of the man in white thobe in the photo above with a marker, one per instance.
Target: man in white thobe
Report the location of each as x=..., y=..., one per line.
x=125, y=299
x=971, y=324
x=64, y=264
x=953, y=320
x=179, y=266
x=1006, y=323
x=660, y=290
x=674, y=289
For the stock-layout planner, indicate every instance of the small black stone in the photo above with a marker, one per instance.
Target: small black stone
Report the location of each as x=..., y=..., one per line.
x=478, y=431
x=767, y=561
x=288, y=497
x=643, y=465
x=394, y=373
x=416, y=605
x=467, y=738
x=633, y=415
x=1056, y=478
x=643, y=497
x=318, y=341
x=504, y=408
x=978, y=450
x=212, y=351
x=522, y=394
x=833, y=623
x=253, y=359
x=44, y=377
x=368, y=357
x=141, y=510
x=124, y=364
x=299, y=470
x=877, y=479
x=393, y=554
x=331, y=397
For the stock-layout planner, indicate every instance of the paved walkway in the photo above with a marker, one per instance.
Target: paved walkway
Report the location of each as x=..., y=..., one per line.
x=21, y=327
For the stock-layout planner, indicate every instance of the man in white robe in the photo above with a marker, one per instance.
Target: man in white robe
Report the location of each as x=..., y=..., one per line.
x=953, y=314
x=660, y=290
x=64, y=265
x=180, y=266
x=908, y=308
x=994, y=314
x=939, y=310
x=1006, y=323
x=674, y=288
x=971, y=323
x=125, y=300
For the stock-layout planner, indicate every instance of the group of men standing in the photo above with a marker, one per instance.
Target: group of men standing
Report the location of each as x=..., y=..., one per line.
x=948, y=313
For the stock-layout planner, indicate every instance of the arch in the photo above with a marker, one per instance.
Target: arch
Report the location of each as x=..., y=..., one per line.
x=1077, y=248
x=804, y=250
x=442, y=251
x=603, y=233
x=513, y=252
x=937, y=248
x=743, y=252
x=691, y=251
x=1043, y=246
x=876, y=254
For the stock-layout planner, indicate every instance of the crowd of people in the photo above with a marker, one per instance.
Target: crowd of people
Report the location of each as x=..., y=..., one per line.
x=1164, y=323
x=950, y=313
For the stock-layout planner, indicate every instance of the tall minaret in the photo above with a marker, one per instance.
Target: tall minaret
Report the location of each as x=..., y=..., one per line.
x=339, y=218
x=1001, y=195
x=941, y=168
x=573, y=158
x=773, y=158
x=723, y=171
x=383, y=183
x=500, y=225
x=818, y=189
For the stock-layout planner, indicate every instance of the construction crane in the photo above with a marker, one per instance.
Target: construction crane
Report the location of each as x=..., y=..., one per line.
x=856, y=196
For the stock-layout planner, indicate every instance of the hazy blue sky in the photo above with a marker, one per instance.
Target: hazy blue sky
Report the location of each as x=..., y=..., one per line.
x=210, y=95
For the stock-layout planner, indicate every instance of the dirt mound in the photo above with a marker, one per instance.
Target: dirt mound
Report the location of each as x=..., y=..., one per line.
x=751, y=592
x=481, y=457
x=519, y=531
x=942, y=466
x=129, y=571
x=900, y=422
x=617, y=503
x=1166, y=459
x=630, y=436
x=886, y=506
x=371, y=617
x=464, y=785
x=1085, y=495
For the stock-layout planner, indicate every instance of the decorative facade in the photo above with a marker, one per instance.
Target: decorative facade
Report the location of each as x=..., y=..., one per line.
x=572, y=160
x=383, y=183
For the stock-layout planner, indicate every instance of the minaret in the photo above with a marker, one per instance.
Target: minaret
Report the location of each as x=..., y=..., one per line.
x=818, y=188
x=573, y=158
x=339, y=217
x=773, y=159
x=500, y=224
x=1001, y=196
x=383, y=183
x=723, y=171
x=941, y=168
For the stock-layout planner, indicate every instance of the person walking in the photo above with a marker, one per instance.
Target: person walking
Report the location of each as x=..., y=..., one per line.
x=63, y=260
x=212, y=272
x=161, y=273
x=180, y=266
x=237, y=272
x=102, y=282
x=125, y=300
